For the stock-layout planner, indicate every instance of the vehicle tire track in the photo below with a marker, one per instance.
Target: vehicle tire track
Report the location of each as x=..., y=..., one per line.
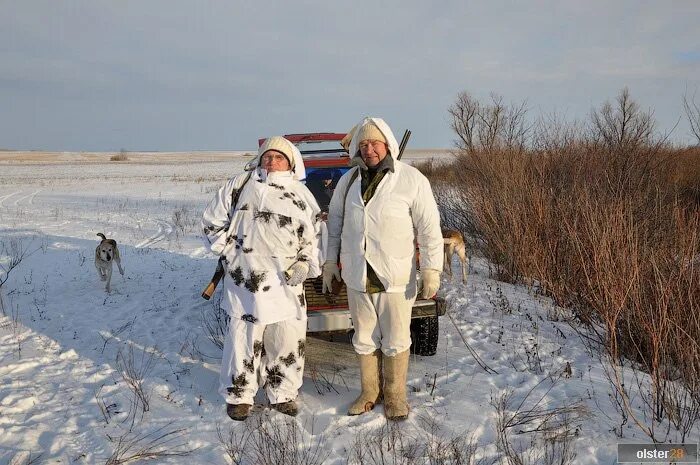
x=5, y=197
x=28, y=196
x=164, y=231
x=33, y=196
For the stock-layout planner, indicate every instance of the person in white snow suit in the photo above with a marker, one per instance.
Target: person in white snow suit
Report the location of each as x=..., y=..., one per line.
x=374, y=221
x=266, y=226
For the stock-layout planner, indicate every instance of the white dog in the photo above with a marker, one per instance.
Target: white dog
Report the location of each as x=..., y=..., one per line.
x=106, y=253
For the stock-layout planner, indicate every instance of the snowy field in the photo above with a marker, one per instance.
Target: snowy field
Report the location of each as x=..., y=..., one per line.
x=65, y=343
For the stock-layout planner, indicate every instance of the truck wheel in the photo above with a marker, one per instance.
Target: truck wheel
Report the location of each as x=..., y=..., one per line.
x=424, y=335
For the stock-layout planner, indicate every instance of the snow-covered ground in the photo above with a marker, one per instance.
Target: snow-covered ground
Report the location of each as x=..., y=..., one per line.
x=65, y=342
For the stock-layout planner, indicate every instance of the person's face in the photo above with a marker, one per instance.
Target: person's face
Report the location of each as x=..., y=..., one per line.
x=372, y=152
x=272, y=161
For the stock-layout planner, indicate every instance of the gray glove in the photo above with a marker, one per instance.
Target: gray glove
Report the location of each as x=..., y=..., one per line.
x=297, y=273
x=330, y=271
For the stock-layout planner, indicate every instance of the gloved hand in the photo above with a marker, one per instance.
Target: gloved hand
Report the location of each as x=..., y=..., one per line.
x=330, y=270
x=297, y=273
x=431, y=282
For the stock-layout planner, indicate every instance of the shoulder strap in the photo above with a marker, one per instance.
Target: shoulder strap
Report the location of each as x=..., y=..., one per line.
x=353, y=176
x=236, y=194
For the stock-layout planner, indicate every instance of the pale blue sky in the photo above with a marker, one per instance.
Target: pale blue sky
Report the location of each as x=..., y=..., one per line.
x=217, y=75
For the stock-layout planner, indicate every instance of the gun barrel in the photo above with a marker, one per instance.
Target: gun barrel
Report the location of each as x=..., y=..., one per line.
x=404, y=142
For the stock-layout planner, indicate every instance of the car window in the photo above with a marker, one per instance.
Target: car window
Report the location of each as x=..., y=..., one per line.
x=321, y=182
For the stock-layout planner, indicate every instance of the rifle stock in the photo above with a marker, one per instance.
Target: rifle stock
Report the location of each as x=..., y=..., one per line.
x=211, y=287
x=219, y=273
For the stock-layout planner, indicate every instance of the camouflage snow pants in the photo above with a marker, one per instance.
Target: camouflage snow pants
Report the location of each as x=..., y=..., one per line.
x=270, y=356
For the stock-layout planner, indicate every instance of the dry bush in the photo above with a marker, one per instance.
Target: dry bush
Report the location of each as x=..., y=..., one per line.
x=185, y=220
x=134, y=371
x=264, y=441
x=392, y=444
x=692, y=113
x=687, y=173
x=608, y=224
x=11, y=255
x=623, y=126
x=438, y=171
x=157, y=444
x=488, y=126
x=550, y=431
x=123, y=155
x=215, y=320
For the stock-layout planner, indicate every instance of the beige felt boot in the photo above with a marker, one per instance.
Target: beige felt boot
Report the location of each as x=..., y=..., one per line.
x=395, y=369
x=370, y=369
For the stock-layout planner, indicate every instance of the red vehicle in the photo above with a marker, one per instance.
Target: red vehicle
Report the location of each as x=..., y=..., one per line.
x=326, y=161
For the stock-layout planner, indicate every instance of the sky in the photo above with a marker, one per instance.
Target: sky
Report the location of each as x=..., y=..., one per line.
x=173, y=75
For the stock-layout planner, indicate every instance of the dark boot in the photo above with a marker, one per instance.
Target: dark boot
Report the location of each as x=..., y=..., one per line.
x=238, y=412
x=288, y=408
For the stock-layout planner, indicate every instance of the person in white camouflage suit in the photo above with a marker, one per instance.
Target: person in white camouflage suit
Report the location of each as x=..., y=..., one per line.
x=269, y=241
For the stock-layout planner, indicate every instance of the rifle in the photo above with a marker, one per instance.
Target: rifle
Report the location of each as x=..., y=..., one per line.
x=404, y=142
x=218, y=274
x=220, y=271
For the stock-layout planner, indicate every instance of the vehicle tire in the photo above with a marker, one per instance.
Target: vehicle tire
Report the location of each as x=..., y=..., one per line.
x=424, y=335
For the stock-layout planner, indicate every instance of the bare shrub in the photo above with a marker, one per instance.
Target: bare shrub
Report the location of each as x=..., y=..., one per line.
x=438, y=171
x=692, y=112
x=123, y=155
x=549, y=430
x=108, y=336
x=392, y=444
x=608, y=224
x=215, y=320
x=11, y=255
x=157, y=444
x=107, y=410
x=490, y=126
x=185, y=220
x=234, y=441
x=623, y=125
x=267, y=442
x=133, y=371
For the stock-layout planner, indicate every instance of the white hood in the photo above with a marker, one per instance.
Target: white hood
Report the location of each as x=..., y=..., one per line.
x=383, y=127
x=286, y=147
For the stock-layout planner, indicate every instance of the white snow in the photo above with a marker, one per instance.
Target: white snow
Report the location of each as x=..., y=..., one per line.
x=61, y=392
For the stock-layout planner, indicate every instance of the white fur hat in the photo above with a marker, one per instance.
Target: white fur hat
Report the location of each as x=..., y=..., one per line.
x=278, y=144
x=289, y=150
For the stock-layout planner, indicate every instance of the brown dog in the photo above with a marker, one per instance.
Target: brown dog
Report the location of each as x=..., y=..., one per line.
x=454, y=244
x=106, y=253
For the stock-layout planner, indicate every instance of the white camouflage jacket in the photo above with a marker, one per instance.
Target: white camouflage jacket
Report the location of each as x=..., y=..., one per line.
x=275, y=224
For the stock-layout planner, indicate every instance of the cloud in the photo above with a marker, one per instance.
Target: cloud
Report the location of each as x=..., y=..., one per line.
x=169, y=75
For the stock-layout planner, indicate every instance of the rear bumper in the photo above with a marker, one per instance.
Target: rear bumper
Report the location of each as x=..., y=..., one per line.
x=338, y=319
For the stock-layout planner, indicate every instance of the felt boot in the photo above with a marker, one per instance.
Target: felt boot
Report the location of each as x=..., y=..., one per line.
x=370, y=368
x=395, y=369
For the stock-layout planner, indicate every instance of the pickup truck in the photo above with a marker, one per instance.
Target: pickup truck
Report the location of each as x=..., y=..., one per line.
x=326, y=161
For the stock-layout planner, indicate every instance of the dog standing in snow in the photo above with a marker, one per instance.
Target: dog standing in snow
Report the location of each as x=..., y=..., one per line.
x=106, y=253
x=454, y=244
